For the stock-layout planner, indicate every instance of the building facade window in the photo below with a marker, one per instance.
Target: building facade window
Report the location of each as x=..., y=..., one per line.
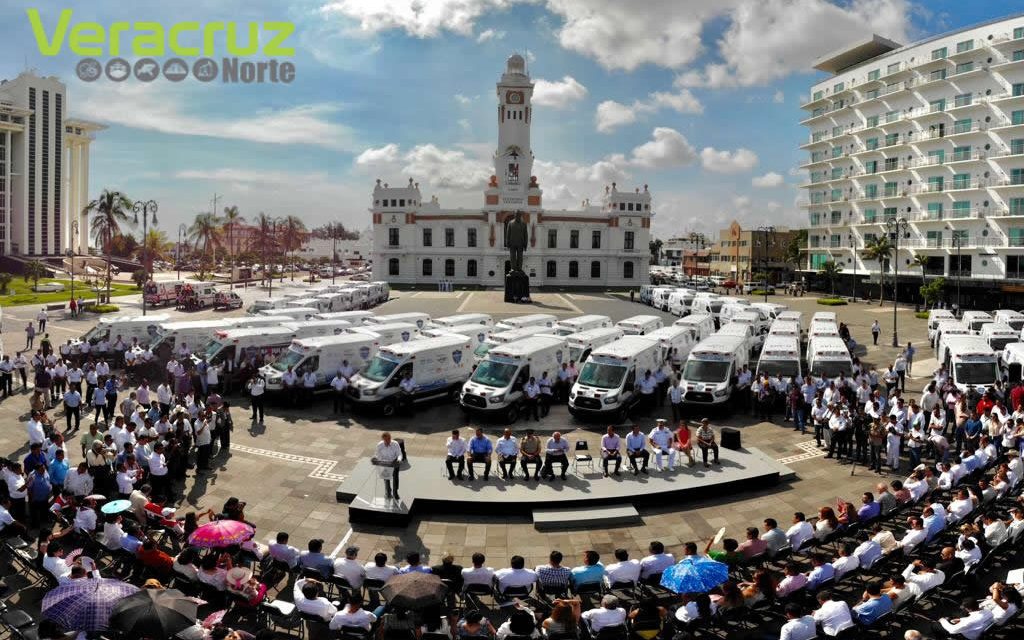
x=595, y=269
x=428, y=267
x=595, y=239
x=471, y=268
x=552, y=269
x=471, y=237
x=449, y=237
x=552, y=238
x=449, y=268
x=428, y=237
x=574, y=269
x=627, y=270
x=574, y=239
x=393, y=266
x=627, y=241
x=392, y=236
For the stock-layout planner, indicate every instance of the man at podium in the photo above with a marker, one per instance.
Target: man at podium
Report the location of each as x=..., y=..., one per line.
x=387, y=456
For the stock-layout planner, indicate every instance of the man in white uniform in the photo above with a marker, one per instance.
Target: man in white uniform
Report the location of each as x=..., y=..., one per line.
x=388, y=454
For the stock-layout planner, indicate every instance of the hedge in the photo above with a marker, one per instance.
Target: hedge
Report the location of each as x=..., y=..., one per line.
x=922, y=314
x=102, y=308
x=761, y=292
x=832, y=302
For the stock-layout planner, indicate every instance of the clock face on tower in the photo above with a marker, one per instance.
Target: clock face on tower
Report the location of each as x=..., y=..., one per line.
x=514, y=97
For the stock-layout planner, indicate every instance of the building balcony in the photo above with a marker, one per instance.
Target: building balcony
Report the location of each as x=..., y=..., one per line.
x=974, y=156
x=975, y=70
x=815, y=102
x=960, y=54
x=969, y=242
x=1014, y=151
x=1006, y=65
x=812, y=162
x=1005, y=42
x=1007, y=183
x=1007, y=100
x=814, y=142
x=903, y=71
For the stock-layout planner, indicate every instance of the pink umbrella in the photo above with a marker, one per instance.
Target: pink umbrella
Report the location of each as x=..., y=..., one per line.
x=221, y=533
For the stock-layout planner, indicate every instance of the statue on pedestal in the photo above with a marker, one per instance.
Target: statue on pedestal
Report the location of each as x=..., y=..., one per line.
x=517, y=238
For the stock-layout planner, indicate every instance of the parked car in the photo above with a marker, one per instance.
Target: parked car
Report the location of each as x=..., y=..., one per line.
x=360, y=277
x=227, y=300
x=751, y=287
x=730, y=284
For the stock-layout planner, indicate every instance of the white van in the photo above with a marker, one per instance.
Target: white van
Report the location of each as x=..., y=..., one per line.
x=414, y=317
x=679, y=302
x=581, y=323
x=531, y=320
x=970, y=362
x=1012, y=362
x=582, y=343
x=780, y=356
x=197, y=333
x=676, y=343
x=975, y=319
x=827, y=316
x=645, y=293
x=771, y=308
x=758, y=324
x=1011, y=317
x=296, y=313
x=730, y=309
x=660, y=296
x=785, y=328
x=335, y=301
x=703, y=303
x=463, y=319
x=390, y=333
x=323, y=355
x=145, y=328
x=477, y=333
x=321, y=305
x=355, y=317
x=701, y=324
x=943, y=332
x=236, y=344
x=164, y=292
x=998, y=335
x=709, y=375
x=792, y=316
x=267, y=304
x=439, y=368
x=313, y=328
x=496, y=386
x=639, y=325
x=935, y=316
x=743, y=330
x=607, y=384
x=822, y=329
x=378, y=292
x=504, y=337
x=827, y=357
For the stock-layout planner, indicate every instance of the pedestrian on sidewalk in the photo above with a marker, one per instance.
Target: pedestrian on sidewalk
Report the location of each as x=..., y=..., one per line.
x=30, y=335
x=875, y=330
x=909, y=354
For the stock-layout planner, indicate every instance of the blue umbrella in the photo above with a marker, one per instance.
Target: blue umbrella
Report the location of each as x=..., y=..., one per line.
x=116, y=506
x=85, y=604
x=694, y=575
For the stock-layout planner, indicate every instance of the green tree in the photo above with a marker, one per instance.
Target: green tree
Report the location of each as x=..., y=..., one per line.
x=794, y=249
x=921, y=261
x=34, y=270
x=229, y=221
x=293, y=234
x=205, y=269
x=654, y=246
x=932, y=291
x=139, y=277
x=5, y=281
x=267, y=241
x=111, y=211
x=205, y=230
x=831, y=271
x=157, y=247
x=123, y=245
x=880, y=250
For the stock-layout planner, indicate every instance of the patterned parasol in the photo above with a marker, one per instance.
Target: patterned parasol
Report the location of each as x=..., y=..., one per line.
x=221, y=533
x=85, y=604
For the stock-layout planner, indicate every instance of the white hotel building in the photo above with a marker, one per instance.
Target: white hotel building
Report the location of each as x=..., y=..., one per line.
x=44, y=169
x=418, y=242
x=933, y=133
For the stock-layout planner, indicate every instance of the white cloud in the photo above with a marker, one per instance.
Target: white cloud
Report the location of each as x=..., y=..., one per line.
x=742, y=203
x=767, y=39
x=558, y=94
x=667, y=148
x=379, y=156
x=464, y=100
x=452, y=169
x=768, y=180
x=147, y=107
x=728, y=161
x=611, y=115
x=418, y=18
x=779, y=97
x=490, y=34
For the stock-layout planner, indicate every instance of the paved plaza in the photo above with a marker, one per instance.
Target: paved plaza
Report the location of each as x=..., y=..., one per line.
x=288, y=470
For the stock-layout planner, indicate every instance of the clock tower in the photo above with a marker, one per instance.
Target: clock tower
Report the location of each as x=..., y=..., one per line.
x=513, y=159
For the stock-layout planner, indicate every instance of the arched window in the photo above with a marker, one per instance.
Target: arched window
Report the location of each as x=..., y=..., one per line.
x=552, y=269
x=595, y=269
x=471, y=269
x=393, y=267
x=428, y=267
x=574, y=269
x=449, y=268
x=627, y=270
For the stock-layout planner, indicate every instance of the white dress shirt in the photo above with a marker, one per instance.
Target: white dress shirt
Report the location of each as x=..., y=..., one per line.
x=971, y=626
x=456, y=448
x=833, y=616
x=800, y=533
x=509, y=577
x=506, y=446
x=351, y=570
x=318, y=607
x=627, y=571
x=655, y=564
x=477, y=575
x=373, y=572
x=600, y=617
x=799, y=629
x=925, y=581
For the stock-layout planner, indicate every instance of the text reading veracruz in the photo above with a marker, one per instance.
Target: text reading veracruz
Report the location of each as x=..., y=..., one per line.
x=188, y=38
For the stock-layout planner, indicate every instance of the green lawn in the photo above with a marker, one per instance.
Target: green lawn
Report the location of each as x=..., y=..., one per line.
x=23, y=294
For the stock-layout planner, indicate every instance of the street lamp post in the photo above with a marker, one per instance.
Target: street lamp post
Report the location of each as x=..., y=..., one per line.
x=71, y=255
x=700, y=241
x=853, y=250
x=182, y=230
x=959, y=267
x=334, y=251
x=896, y=227
x=769, y=232
x=148, y=210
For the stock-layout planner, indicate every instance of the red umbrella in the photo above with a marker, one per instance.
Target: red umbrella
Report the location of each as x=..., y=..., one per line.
x=221, y=533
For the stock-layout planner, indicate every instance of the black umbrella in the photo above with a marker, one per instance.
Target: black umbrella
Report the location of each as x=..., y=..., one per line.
x=154, y=613
x=414, y=591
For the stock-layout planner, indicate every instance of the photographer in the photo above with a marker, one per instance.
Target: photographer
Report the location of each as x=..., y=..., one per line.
x=257, y=388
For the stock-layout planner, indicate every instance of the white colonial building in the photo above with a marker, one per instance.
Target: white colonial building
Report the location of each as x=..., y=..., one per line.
x=44, y=169
x=931, y=133
x=416, y=241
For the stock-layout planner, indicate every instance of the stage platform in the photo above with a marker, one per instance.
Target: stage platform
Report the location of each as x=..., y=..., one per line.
x=425, y=488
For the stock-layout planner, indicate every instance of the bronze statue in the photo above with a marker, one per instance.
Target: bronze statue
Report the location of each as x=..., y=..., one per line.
x=516, y=237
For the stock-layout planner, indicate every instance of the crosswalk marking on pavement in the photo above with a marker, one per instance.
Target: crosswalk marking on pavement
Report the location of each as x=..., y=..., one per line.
x=321, y=468
x=810, y=451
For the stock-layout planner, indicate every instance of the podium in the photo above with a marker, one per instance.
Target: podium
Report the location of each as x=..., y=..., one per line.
x=517, y=287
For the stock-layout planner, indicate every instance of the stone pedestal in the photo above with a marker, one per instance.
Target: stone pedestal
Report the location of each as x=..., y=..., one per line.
x=517, y=287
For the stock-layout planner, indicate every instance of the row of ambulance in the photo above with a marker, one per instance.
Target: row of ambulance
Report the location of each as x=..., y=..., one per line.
x=980, y=347
x=322, y=298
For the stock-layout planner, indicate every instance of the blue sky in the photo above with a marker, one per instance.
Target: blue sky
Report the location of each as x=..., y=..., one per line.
x=697, y=98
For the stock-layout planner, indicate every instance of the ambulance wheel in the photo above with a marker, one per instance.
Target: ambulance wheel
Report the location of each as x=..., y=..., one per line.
x=454, y=394
x=622, y=415
x=389, y=409
x=512, y=414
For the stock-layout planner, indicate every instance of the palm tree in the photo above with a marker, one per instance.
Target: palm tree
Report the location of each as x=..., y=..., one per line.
x=654, y=246
x=921, y=261
x=831, y=270
x=111, y=210
x=157, y=247
x=292, y=236
x=206, y=230
x=34, y=270
x=881, y=250
x=265, y=242
x=232, y=218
